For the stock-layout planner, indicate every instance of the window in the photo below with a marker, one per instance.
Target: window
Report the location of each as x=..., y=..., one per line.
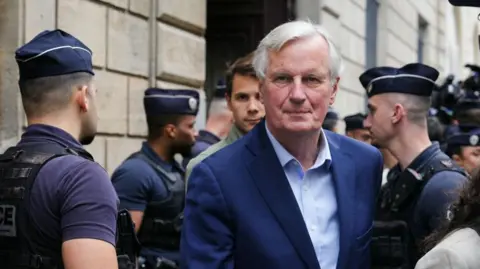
x=422, y=36
x=371, y=33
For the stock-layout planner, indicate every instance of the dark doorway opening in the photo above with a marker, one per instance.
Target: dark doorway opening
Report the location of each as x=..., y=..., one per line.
x=235, y=27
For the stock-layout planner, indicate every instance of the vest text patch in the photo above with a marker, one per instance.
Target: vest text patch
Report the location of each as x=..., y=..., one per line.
x=7, y=221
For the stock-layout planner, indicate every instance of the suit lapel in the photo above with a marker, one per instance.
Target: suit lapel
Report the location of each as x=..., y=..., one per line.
x=273, y=185
x=343, y=171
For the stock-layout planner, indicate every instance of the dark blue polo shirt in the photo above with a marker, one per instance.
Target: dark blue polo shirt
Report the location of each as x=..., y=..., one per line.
x=71, y=198
x=137, y=183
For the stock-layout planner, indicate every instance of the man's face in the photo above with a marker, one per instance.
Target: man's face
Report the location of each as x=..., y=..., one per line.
x=184, y=135
x=361, y=135
x=87, y=98
x=297, y=89
x=378, y=121
x=469, y=159
x=245, y=102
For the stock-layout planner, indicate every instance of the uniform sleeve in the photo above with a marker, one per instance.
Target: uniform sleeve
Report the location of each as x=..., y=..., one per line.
x=133, y=184
x=89, y=206
x=440, y=191
x=207, y=239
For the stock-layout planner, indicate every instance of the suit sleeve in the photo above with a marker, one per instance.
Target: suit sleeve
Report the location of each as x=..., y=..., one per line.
x=441, y=259
x=207, y=239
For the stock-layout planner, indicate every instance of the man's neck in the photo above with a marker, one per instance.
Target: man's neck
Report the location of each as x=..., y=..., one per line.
x=408, y=146
x=304, y=147
x=161, y=150
x=58, y=122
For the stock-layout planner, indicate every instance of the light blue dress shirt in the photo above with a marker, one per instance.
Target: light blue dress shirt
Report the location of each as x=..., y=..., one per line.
x=315, y=194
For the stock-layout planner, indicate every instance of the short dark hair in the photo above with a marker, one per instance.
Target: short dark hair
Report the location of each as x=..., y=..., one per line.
x=242, y=66
x=44, y=95
x=156, y=124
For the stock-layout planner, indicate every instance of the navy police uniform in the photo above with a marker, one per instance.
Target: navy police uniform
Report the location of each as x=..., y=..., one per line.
x=414, y=201
x=51, y=190
x=145, y=182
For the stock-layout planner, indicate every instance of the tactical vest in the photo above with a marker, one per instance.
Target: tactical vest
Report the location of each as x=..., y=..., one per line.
x=19, y=167
x=162, y=220
x=393, y=244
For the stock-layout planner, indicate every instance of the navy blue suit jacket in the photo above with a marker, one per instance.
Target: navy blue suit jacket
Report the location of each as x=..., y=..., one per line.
x=241, y=212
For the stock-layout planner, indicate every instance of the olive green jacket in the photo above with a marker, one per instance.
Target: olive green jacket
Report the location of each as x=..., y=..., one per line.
x=233, y=135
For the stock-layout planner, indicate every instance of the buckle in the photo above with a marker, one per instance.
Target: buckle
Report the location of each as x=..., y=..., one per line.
x=36, y=261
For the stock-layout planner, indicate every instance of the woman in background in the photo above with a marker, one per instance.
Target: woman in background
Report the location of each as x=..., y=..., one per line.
x=457, y=244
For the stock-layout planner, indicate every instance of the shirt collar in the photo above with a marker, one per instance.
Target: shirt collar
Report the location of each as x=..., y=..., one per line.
x=323, y=157
x=42, y=132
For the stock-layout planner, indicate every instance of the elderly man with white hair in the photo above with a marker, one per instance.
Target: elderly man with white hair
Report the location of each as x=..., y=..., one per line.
x=288, y=195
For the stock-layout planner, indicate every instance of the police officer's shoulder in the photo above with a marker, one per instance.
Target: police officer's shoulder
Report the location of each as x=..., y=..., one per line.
x=76, y=166
x=133, y=169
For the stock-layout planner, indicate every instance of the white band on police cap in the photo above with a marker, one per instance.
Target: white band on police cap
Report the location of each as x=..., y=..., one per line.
x=52, y=49
x=369, y=86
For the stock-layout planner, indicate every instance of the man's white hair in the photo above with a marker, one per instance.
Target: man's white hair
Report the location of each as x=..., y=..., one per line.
x=278, y=37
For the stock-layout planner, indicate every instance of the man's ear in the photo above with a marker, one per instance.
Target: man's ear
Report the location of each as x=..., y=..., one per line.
x=261, y=89
x=170, y=131
x=334, y=91
x=398, y=113
x=81, y=97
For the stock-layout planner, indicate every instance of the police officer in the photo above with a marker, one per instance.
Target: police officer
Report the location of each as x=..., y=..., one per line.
x=355, y=129
x=331, y=120
x=218, y=125
x=464, y=147
x=150, y=183
x=420, y=187
x=58, y=207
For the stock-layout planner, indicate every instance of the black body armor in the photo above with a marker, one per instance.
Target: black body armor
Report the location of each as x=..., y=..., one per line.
x=162, y=220
x=19, y=167
x=393, y=244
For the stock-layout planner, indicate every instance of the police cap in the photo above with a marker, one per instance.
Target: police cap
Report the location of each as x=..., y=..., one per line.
x=53, y=53
x=354, y=122
x=331, y=114
x=468, y=138
x=465, y=104
x=220, y=89
x=415, y=78
x=163, y=101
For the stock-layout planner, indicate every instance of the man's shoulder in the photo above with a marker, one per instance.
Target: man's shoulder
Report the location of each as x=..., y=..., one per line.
x=133, y=166
x=63, y=166
x=351, y=145
x=224, y=154
x=206, y=153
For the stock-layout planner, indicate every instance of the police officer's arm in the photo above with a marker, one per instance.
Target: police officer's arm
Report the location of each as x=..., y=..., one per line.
x=440, y=191
x=88, y=218
x=207, y=240
x=133, y=182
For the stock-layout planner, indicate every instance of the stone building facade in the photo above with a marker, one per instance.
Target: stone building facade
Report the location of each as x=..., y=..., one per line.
x=141, y=43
